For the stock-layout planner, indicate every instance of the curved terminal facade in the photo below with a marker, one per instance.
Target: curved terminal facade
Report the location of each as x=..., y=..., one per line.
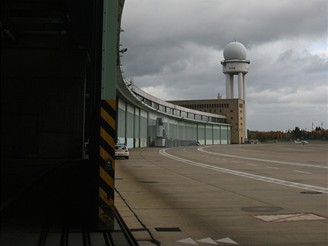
x=144, y=120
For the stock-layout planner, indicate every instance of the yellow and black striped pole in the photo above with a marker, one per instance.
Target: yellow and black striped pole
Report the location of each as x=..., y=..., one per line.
x=107, y=162
x=107, y=140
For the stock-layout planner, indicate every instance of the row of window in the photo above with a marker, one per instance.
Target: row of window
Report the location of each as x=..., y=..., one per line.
x=181, y=113
x=206, y=105
x=210, y=111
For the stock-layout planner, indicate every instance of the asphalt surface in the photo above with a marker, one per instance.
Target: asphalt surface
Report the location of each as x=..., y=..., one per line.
x=264, y=194
x=261, y=194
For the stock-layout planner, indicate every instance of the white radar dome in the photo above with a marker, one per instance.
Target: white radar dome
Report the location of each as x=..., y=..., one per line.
x=234, y=50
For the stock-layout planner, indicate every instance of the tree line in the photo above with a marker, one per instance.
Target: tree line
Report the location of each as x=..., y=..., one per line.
x=294, y=134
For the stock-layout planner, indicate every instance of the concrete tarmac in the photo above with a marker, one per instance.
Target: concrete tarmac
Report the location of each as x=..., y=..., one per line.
x=263, y=194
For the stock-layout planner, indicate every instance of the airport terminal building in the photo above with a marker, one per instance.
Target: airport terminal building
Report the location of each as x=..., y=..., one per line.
x=232, y=109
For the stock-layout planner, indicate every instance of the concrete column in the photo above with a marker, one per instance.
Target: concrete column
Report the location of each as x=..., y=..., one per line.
x=231, y=87
x=244, y=89
x=240, y=86
x=228, y=88
x=244, y=97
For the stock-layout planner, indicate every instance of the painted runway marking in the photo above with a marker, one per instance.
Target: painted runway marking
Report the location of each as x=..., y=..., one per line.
x=227, y=240
x=207, y=240
x=289, y=217
x=257, y=159
x=247, y=175
x=188, y=240
x=298, y=171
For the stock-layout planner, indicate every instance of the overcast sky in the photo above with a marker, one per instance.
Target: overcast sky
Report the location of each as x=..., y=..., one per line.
x=175, y=48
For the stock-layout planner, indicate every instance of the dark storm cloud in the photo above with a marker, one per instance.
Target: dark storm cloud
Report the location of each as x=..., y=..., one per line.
x=175, y=49
x=214, y=22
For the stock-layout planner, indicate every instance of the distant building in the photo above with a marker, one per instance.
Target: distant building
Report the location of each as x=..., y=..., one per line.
x=233, y=109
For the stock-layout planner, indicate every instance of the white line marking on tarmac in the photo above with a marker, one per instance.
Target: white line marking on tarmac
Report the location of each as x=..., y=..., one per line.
x=298, y=171
x=257, y=159
x=247, y=175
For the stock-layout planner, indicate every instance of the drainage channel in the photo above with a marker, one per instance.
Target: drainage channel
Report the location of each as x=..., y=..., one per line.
x=311, y=192
x=167, y=229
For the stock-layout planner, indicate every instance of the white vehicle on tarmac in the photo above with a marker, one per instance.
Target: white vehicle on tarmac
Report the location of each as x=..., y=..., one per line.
x=301, y=142
x=121, y=150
